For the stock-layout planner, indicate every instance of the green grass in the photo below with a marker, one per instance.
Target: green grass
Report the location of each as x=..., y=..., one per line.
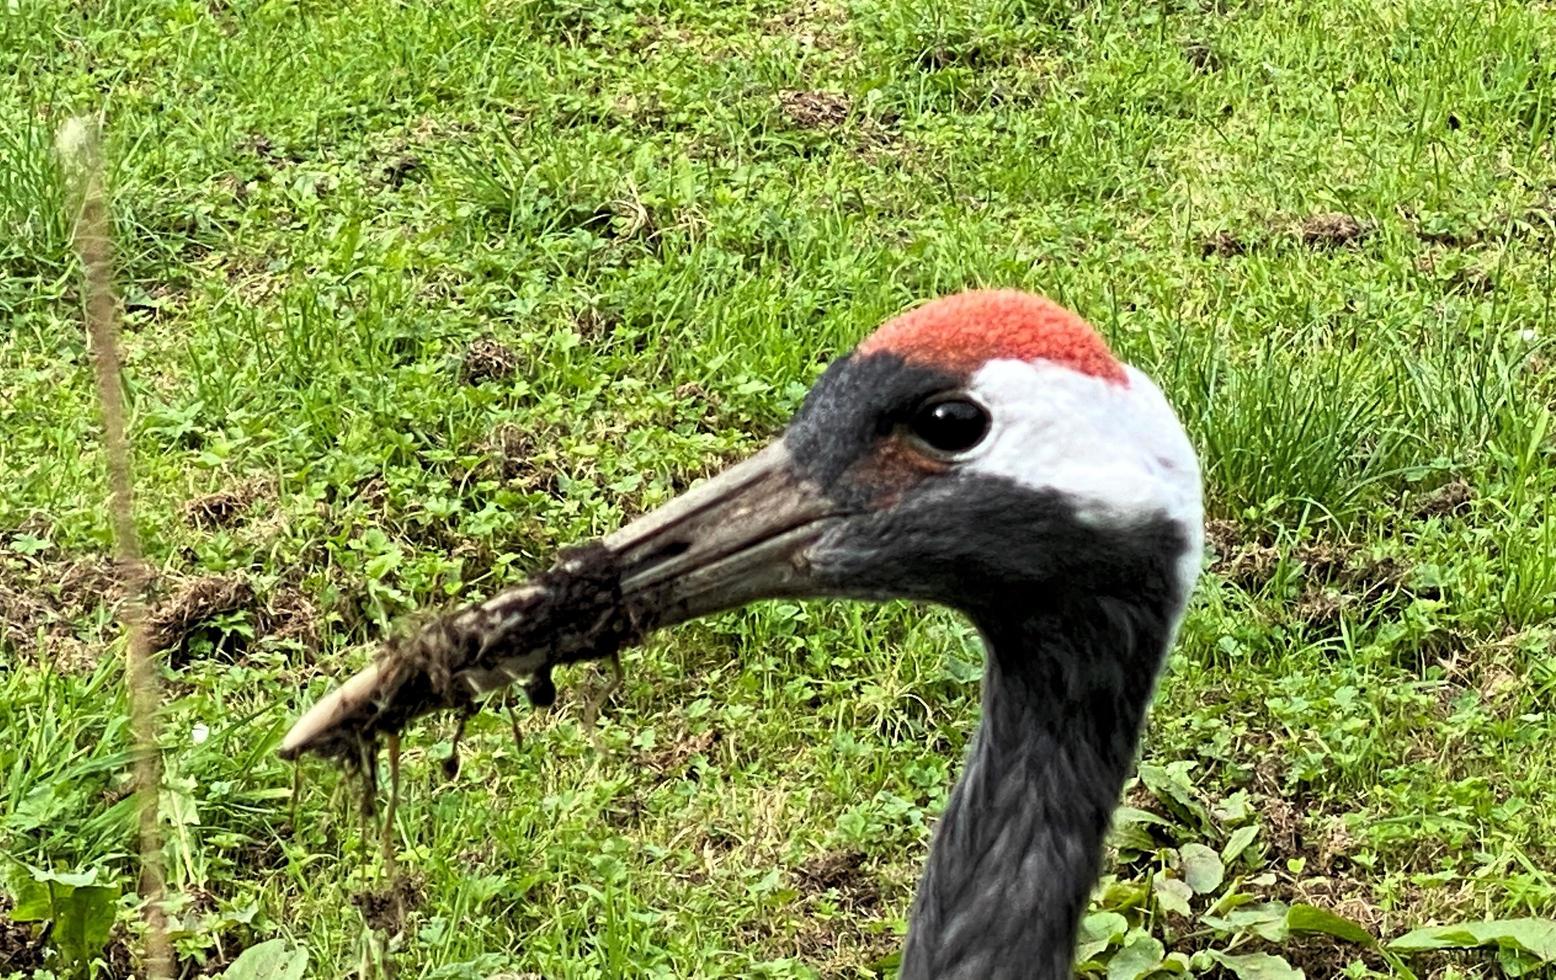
x=322, y=207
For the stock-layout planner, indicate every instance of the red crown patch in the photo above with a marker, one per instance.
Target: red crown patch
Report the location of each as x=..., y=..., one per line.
x=963, y=331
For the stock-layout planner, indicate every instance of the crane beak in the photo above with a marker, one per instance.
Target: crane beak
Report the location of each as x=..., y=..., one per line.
x=741, y=536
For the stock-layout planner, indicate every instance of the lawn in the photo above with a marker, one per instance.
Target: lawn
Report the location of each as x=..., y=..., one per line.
x=416, y=293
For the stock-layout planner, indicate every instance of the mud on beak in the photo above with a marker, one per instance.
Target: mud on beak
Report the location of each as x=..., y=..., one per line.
x=742, y=536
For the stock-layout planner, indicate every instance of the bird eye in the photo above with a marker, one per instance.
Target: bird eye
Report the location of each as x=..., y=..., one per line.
x=950, y=425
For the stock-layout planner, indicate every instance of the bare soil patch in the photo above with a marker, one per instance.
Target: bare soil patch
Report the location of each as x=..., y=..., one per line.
x=833, y=113
x=1335, y=578
x=1471, y=281
x=1452, y=499
x=1224, y=244
x=401, y=169
x=510, y=457
x=20, y=947
x=1251, y=566
x=264, y=854
x=815, y=109
x=387, y=908
x=843, y=872
x=170, y=625
x=1333, y=229
x=594, y=323
x=119, y=959
x=1202, y=57
x=1450, y=238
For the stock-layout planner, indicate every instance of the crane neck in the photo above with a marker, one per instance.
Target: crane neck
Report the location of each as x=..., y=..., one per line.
x=1018, y=848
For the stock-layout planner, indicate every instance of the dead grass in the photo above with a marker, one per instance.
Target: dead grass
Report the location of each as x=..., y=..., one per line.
x=487, y=360
x=1452, y=499
x=671, y=761
x=1223, y=244
x=821, y=25
x=44, y=603
x=1202, y=57
x=228, y=507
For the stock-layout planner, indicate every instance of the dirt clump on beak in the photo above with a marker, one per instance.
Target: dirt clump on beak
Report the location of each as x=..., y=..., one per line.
x=570, y=613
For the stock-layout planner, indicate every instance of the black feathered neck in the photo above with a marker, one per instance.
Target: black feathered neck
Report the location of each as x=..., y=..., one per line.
x=1017, y=851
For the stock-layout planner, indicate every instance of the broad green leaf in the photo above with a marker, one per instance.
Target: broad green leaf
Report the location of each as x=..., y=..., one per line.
x=1105, y=926
x=1128, y=815
x=40, y=807
x=1130, y=831
x=1133, y=837
x=80, y=912
x=1202, y=868
x=29, y=896
x=1231, y=899
x=1536, y=937
x=1516, y=964
x=1171, y=784
x=1235, y=808
x=961, y=671
x=76, y=879
x=1311, y=918
x=1172, y=895
x=1123, y=894
x=177, y=806
x=1099, y=932
x=1139, y=958
x=82, y=920
x=1086, y=954
x=1267, y=921
x=1434, y=937
x=1238, y=842
x=890, y=961
x=273, y=959
x=1258, y=966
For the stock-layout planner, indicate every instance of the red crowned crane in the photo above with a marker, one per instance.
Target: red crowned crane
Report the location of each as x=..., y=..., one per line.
x=985, y=452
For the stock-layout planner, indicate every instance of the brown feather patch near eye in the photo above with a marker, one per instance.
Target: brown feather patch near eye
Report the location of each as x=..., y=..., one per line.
x=893, y=468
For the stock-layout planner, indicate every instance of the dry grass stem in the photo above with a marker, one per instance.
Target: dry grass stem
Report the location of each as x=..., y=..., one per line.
x=81, y=158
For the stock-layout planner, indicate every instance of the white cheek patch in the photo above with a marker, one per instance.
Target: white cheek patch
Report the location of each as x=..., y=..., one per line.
x=1117, y=450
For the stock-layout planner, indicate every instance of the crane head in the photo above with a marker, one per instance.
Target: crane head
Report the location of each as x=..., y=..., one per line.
x=981, y=450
